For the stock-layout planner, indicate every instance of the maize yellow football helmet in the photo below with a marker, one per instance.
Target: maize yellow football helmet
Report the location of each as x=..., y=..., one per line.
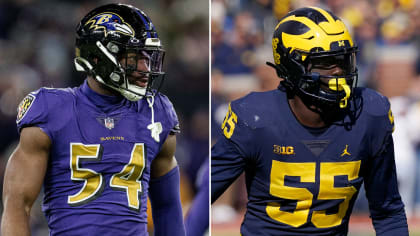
x=306, y=38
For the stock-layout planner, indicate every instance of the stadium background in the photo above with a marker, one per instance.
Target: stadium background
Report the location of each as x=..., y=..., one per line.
x=387, y=33
x=37, y=49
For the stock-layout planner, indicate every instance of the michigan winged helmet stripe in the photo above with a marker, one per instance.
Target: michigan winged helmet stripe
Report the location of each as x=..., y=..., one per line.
x=324, y=30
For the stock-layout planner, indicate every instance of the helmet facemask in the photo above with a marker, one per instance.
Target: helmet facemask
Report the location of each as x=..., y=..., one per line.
x=329, y=90
x=139, y=81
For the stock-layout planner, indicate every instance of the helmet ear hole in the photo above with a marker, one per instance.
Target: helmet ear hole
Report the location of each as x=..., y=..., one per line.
x=112, y=47
x=116, y=78
x=296, y=56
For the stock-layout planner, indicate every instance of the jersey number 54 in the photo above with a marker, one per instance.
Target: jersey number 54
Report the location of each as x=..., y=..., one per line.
x=128, y=179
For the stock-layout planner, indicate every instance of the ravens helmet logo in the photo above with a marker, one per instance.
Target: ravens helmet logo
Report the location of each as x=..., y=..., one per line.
x=110, y=22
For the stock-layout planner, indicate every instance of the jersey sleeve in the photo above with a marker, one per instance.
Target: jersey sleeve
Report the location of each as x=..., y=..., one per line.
x=386, y=207
x=231, y=152
x=33, y=111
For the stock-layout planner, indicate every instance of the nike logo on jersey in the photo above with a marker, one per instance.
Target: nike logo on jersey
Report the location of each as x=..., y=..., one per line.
x=345, y=152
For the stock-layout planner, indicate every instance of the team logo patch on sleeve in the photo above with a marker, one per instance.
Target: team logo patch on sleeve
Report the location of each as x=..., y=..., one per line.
x=24, y=107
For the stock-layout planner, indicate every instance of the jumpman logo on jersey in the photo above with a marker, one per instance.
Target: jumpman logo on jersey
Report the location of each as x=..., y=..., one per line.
x=345, y=152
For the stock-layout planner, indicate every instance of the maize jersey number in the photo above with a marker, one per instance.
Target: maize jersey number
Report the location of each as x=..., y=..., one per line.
x=327, y=191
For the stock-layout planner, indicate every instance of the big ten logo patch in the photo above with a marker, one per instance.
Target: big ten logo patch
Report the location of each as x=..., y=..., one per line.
x=283, y=150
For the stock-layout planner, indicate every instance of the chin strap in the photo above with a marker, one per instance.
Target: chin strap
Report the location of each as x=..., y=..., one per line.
x=155, y=128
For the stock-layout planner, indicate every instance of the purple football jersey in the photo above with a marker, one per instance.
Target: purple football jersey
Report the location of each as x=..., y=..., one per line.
x=99, y=166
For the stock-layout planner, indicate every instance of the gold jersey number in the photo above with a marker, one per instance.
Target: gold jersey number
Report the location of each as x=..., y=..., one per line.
x=127, y=180
x=327, y=191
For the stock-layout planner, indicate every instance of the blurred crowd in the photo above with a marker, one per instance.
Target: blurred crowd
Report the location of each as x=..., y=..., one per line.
x=387, y=33
x=37, y=40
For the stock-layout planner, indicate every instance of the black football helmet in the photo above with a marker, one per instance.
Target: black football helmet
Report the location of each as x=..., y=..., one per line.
x=306, y=38
x=111, y=33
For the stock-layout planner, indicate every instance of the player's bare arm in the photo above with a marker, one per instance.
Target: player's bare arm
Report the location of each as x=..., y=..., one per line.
x=23, y=179
x=165, y=161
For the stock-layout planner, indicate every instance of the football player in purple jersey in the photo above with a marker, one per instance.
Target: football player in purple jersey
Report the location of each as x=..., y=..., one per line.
x=99, y=150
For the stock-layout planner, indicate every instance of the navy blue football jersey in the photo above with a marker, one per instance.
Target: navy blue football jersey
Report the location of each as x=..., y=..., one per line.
x=303, y=181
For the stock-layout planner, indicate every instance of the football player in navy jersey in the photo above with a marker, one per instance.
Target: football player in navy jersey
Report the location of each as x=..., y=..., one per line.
x=307, y=147
x=100, y=149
